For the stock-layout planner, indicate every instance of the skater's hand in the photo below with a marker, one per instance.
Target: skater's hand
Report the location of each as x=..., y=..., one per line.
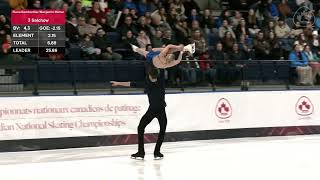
x=115, y=83
x=181, y=47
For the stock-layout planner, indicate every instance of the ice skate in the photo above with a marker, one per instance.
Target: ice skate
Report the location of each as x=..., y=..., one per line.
x=138, y=156
x=190, y=48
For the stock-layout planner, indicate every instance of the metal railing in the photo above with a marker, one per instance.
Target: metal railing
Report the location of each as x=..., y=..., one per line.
x=36, y=74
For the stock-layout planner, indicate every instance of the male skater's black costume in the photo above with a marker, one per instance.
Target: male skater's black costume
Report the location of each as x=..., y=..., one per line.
x=157, y=104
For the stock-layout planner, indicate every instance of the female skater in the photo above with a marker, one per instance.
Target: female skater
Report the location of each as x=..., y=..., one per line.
x=163, y=58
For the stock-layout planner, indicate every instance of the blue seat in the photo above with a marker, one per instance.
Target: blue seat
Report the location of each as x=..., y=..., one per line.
x=136, y=71
x=79, y=70
x=252, y=70
x=283, y=70
x=121, y=71
x=268, y=70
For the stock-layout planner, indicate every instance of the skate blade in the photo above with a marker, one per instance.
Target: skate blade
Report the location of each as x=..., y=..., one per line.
x=158, y=158
x=137, y=158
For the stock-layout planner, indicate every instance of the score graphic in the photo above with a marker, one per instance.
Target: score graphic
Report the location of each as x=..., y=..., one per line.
x=38, y=31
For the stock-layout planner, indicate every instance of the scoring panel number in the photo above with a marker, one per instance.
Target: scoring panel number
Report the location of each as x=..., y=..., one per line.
x=51, y=50
x=51, y=43
x=52, y=35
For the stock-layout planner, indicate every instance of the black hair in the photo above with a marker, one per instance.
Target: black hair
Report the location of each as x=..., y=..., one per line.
x=153, y=72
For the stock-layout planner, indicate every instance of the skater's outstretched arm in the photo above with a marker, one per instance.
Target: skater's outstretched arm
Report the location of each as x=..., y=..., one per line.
x=127, y=84
x=116, y=83
x=157, y=49
x=170, y=49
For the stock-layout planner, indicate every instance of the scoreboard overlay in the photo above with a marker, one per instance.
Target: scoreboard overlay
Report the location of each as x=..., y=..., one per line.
x=38, y=31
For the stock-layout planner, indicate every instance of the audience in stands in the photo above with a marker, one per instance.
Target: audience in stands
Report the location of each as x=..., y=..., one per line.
x=262, y=30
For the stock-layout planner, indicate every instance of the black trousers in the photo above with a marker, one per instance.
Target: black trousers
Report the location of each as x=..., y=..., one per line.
x=160, y=114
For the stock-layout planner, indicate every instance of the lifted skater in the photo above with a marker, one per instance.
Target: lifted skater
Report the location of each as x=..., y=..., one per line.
x=163, y=57
x=155, y=86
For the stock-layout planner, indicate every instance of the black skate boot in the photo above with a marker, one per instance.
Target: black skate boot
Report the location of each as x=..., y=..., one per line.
x=158, y=155
x=138, y=155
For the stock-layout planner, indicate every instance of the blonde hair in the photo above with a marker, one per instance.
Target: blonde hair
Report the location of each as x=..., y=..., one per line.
x=170, y=58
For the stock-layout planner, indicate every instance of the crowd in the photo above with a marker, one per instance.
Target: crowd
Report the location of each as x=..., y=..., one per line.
x=247, y=30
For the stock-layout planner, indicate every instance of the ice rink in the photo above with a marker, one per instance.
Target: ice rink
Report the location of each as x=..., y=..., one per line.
x=271, y=158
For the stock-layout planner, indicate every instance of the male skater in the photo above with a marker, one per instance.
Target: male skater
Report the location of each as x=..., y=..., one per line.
x=155, y=86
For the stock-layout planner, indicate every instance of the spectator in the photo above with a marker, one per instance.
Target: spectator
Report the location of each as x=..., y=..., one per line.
x=85, y=28
x=262, y=47
x=172, y=18
x=302, y=40
x=200, y=43
x=36, y=4
x=157, y=40
x=18, y=4
x=314, y=62
x=87, y=47
x=284, y=8
x=128, y=26
x=246, y=46
x=143, y=39
x=189, y=5
x=312, y=57
x=78, y=10
x=143, y=25
x=225, y=15
x=308, y=30
x=282, y=30
x=157, y=24
x=299, y=66
x=207, y=67
x=72, y=32
x=5, y=27
x=133, y=13
x=252, y=19
x=129, y=4
x=226, y=28
x=236, y=56
x=224, y=72
x=96, y=12
x=242, y=28
x=142, y=7
x=194, y=16
x=235, y=20
x=315, y=42
x=317, y=20
x=101, y=42
x=308, y=4
x=94, y=25
x=105, y=26
x=218, y=54
x=153, y=5
x=127, y=41
x=228, y=41
x=65, y=8
x=167, y=37
x=207, y=22
x=236, y=62
x=270, y=28
x=6, y=44
x=116, y=5
x=272, y=10
x=275, y=52
x=179, y=7
x=183, y=32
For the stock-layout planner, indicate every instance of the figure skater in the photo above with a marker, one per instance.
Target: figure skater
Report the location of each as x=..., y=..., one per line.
x=163, y=58
x=155, y=88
